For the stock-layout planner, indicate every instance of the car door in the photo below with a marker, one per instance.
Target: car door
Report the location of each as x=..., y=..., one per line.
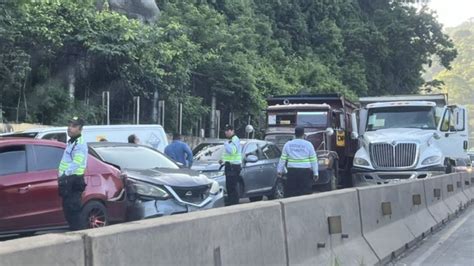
x=271, y=155
x=252, y=171
x=16, y=204
x=453, y=127
x=44, y=184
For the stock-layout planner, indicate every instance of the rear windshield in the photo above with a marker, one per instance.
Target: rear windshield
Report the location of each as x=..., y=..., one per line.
x=21, y=135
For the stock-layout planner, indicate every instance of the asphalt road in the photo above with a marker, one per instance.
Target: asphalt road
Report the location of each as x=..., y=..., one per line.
x=452, y=245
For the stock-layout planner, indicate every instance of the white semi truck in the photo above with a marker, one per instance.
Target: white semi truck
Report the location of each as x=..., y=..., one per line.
x=407, y=137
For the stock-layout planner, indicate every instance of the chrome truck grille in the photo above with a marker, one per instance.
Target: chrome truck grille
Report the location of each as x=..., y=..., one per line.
x=390, y=156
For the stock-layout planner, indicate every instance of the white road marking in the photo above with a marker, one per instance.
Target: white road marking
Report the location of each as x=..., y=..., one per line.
x=443, y=238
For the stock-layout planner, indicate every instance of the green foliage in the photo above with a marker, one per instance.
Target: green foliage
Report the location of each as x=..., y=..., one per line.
x=458, y=81
x=239, y=51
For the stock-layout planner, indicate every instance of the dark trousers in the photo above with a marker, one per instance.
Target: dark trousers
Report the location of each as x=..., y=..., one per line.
x=70, y=190
x=299, y=182
x=232, y=173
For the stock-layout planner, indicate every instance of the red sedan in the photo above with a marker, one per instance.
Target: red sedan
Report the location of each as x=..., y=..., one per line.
x=29, y=199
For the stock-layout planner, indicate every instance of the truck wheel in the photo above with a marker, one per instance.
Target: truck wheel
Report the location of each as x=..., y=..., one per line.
x=278, y=191
x=449, y=167
x=332, y=185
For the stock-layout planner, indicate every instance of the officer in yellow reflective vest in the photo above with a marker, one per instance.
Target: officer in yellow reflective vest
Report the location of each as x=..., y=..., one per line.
x=300, y=159
x=71, y=182
x=232, y=158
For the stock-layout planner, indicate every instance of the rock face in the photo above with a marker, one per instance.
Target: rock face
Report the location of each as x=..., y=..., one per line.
x=144, y=10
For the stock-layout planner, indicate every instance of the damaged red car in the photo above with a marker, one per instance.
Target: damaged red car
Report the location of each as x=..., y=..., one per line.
x=29, y=200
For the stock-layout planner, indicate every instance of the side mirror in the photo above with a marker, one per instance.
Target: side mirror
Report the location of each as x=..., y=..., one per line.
x=329, y=131
x=251, y=158
x=354, y=134
x=459, y=119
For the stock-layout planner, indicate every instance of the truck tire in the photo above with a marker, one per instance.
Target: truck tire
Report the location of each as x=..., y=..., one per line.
x=449, y=167
x=332, y=185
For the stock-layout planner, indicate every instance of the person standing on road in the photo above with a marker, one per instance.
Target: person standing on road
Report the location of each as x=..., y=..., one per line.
x=301, y=162
x=71, y=182
x=232, y=159
x=179, y=151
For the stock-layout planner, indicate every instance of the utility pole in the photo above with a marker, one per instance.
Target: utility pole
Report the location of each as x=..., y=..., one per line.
x=212, y=131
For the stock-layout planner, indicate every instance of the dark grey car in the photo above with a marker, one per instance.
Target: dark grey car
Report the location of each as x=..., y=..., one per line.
x=156, y=185
x=259, y=167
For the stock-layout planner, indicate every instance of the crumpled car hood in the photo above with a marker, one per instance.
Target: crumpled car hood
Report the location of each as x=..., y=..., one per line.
x=206, y=166
x=169, y=177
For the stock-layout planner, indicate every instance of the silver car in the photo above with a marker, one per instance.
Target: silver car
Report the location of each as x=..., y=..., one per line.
x=155, y=184
x=259, y=167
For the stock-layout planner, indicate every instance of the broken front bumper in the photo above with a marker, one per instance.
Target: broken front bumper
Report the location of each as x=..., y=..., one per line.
x=365, y=177
x=140, y=209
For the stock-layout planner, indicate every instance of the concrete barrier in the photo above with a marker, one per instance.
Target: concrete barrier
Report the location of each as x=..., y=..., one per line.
x=250, y=234
x=44, y=250
x=414, y=208
x=459, y=190
x=468, y=188
x=435, y=193
x=383, y=223
x=453, y=201
x=325, y=229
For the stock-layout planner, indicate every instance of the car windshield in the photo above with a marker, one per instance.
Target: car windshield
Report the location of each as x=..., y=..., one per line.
x=422, y=117
x=135, y=157
x=209, y=152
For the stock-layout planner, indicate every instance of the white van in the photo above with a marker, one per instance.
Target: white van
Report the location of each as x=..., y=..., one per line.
x=150, y=135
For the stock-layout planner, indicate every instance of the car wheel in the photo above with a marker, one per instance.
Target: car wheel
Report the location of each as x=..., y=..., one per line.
x=278, y=190
x=94, y=215
x=257, y=198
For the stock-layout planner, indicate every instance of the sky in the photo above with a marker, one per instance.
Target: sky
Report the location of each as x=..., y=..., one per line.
x=451, y=13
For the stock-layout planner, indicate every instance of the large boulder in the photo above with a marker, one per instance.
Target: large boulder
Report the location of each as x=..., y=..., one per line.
x=144, y=10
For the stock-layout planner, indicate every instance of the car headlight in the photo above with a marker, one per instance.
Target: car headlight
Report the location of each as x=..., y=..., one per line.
x=215, y=188
x=151, y=191
x=431, y=160
x=323, y=161
x=361, y=161
x=213, y=174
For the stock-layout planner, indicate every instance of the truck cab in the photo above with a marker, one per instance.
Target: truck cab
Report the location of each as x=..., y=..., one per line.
x=326, y=122
x=408, y=138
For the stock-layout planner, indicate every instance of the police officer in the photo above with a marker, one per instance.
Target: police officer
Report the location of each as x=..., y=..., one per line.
x=301, y=162
x=71, y=174
x=232, y=158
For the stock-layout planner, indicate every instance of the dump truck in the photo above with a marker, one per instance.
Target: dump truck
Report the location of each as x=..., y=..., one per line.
x=326, y=119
